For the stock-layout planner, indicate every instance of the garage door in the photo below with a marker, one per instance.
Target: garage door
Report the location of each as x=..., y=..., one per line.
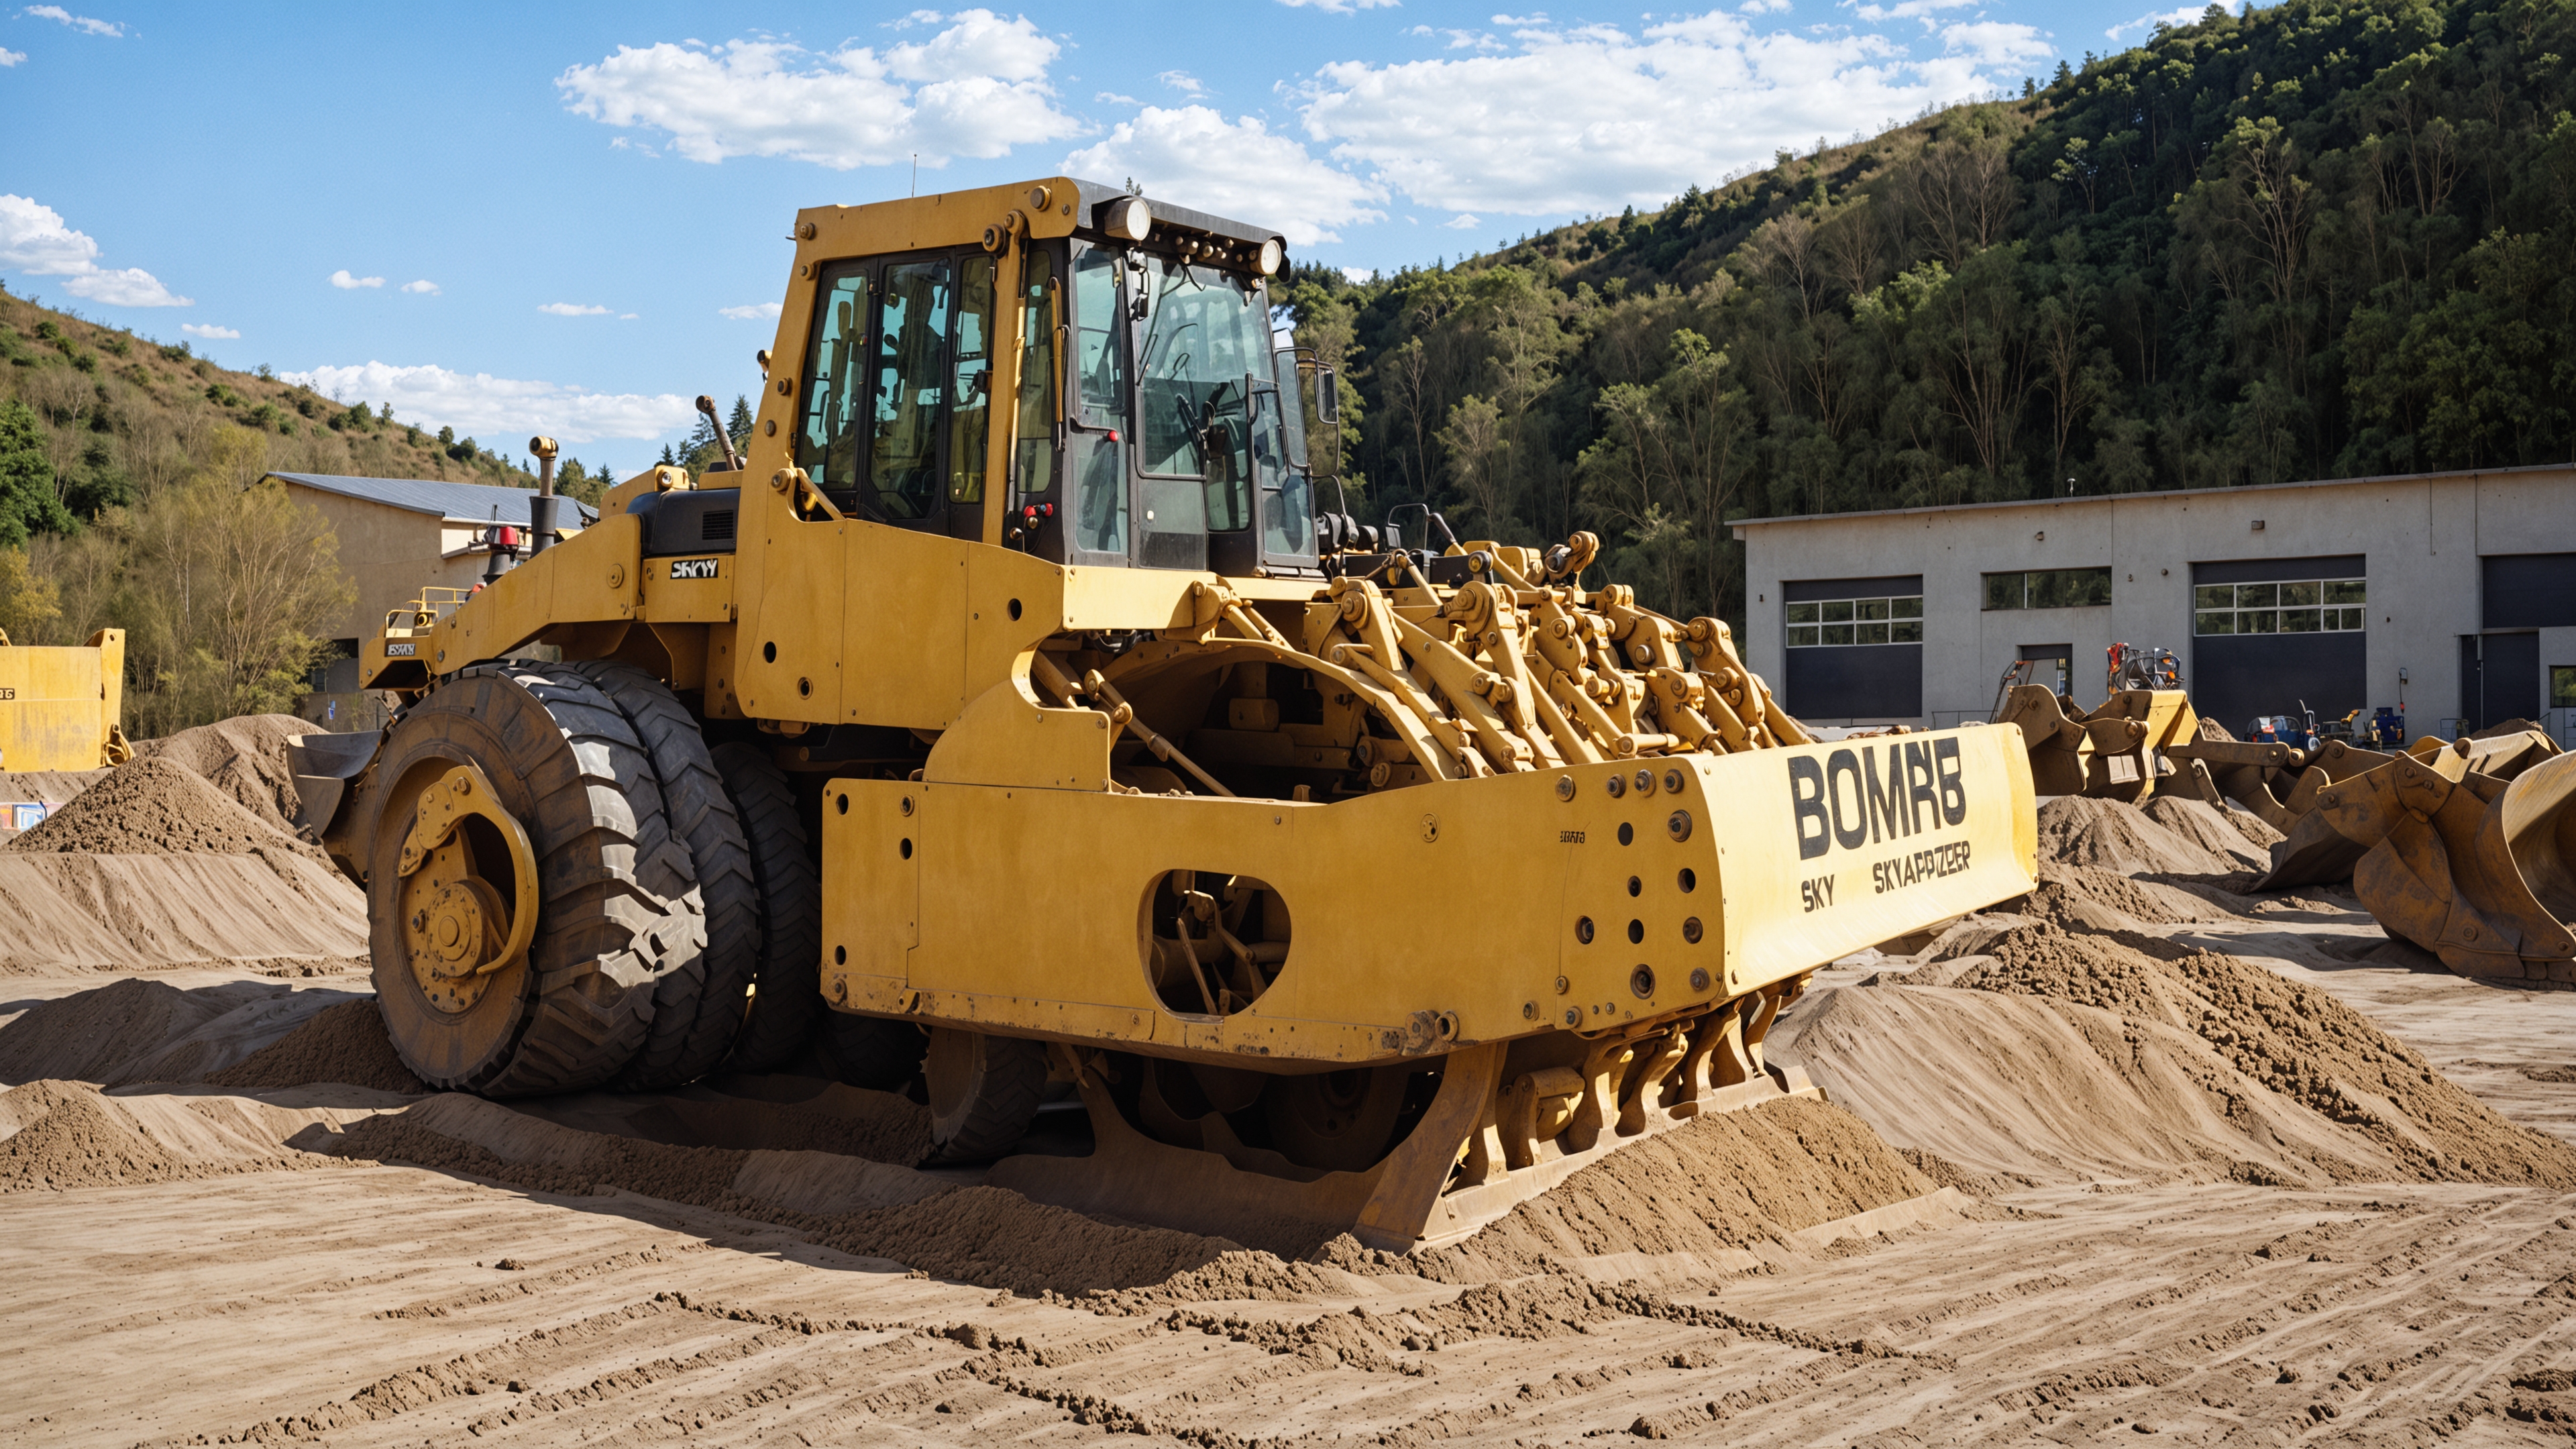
x=2268, y=634
x=1855, y=648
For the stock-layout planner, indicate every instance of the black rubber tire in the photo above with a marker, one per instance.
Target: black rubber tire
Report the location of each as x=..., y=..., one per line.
x=1338, y=1121
x=787, y=996
x=875, y=1052
x=612, y=913
x=695, y=1012
x=984, y=1092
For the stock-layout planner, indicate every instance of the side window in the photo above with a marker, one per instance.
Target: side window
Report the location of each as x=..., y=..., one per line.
x=1287, y=507
x=1100, y=337
x=1098, y=511
x=1033, y=471
x=827, y=443
x=971, y=414
x=910, y=385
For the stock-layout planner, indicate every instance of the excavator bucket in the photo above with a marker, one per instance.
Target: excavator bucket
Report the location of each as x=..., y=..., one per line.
x=2111, y=753
x=2477, y=870
x=2320, y=845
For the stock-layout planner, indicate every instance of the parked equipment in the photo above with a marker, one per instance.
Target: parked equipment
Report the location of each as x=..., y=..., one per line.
x=2135, y=668
x=2467, y=849
x=1004, y=702
x=62, y=708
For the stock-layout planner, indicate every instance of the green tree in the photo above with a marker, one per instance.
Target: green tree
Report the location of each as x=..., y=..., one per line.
x=29, y=501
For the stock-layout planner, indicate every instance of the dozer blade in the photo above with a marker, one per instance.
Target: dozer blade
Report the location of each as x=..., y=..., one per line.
x=2474, y=869
x=1492, y=1138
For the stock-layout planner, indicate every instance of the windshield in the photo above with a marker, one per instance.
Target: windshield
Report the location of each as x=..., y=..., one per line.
x=1207, y=343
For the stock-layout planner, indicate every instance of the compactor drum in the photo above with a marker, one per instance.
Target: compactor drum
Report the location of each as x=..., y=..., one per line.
x=1011, y=722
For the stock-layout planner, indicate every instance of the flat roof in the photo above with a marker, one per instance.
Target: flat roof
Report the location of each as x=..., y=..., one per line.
x=451, y=501
x=2088, y=498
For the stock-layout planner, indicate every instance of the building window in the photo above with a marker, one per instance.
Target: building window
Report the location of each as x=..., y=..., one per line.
x=2562, y=686
x=1821, y=623
x=2319, y=606
x=2049, y=589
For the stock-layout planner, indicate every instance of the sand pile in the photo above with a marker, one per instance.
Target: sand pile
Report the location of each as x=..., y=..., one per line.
x=1712, y=1189
x=153, y=866
x=2292, y=1038
x=2122, y=839
x=2134, y=1057
x=2091, y=898
x=345, y=1042
x=243, y=757
x=153, y=807
x=2238, y=834
x=139, y=1030
x=69, y=1135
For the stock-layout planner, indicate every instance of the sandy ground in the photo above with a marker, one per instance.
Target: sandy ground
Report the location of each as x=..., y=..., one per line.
x=2100, y=1280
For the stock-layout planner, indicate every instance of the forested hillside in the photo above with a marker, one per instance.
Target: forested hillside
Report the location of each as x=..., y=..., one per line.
x=2327, y=238
x=127, y=501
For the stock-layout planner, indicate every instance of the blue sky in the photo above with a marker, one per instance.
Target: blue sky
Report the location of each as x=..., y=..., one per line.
x=571, y=218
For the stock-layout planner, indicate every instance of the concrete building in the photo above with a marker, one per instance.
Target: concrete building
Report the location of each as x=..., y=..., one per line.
x=399, y=535
x=2452, y=595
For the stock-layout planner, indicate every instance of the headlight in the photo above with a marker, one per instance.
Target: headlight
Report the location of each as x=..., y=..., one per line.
x=1267, y=260
x=1127, y=219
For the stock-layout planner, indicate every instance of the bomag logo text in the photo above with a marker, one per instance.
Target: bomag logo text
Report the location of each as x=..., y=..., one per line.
x=1855, y=797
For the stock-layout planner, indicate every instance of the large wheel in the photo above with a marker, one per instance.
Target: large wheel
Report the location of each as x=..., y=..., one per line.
x=695, y=1011
x=875, y=1052
x=1339, y=1121
x=611, y=886
x=787, y=994
x=984, y=1092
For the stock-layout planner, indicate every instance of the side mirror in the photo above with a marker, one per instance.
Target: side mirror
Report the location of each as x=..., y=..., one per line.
x=1328, y=397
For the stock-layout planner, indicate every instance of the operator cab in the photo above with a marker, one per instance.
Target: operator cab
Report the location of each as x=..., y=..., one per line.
x=1157, y=422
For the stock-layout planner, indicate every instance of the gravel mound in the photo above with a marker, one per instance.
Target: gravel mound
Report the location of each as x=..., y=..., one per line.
x=243, y=758
x=155, y=807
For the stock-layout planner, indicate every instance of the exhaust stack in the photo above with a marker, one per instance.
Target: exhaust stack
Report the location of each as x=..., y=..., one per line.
x=541, y=509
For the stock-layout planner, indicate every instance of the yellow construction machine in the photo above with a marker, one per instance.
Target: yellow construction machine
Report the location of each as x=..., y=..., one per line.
x=61, y=708
x=1011, y=698
x=2466, y=847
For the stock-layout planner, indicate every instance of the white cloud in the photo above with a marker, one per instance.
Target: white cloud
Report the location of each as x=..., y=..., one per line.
x=481, y=404
x=1112, y=98
x=76, y=22
x=2149, y=21
x=210, y=332
x=1595, y=118
x=35, y=240
x=1998, y=42
x=573, y=309
x=1182, y=81
x=753, y=312
x=1196, y=157
x=1339, y=7
x=1762, y=7
x=9, y=58
x=1358, y=275
x=424, y=285
x=975, y=89
x=346, y=283
x=1461, y=222
x=126, y=287
x=1922, y=10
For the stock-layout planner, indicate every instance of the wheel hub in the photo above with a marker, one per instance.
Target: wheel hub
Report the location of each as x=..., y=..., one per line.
x=457, y=931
